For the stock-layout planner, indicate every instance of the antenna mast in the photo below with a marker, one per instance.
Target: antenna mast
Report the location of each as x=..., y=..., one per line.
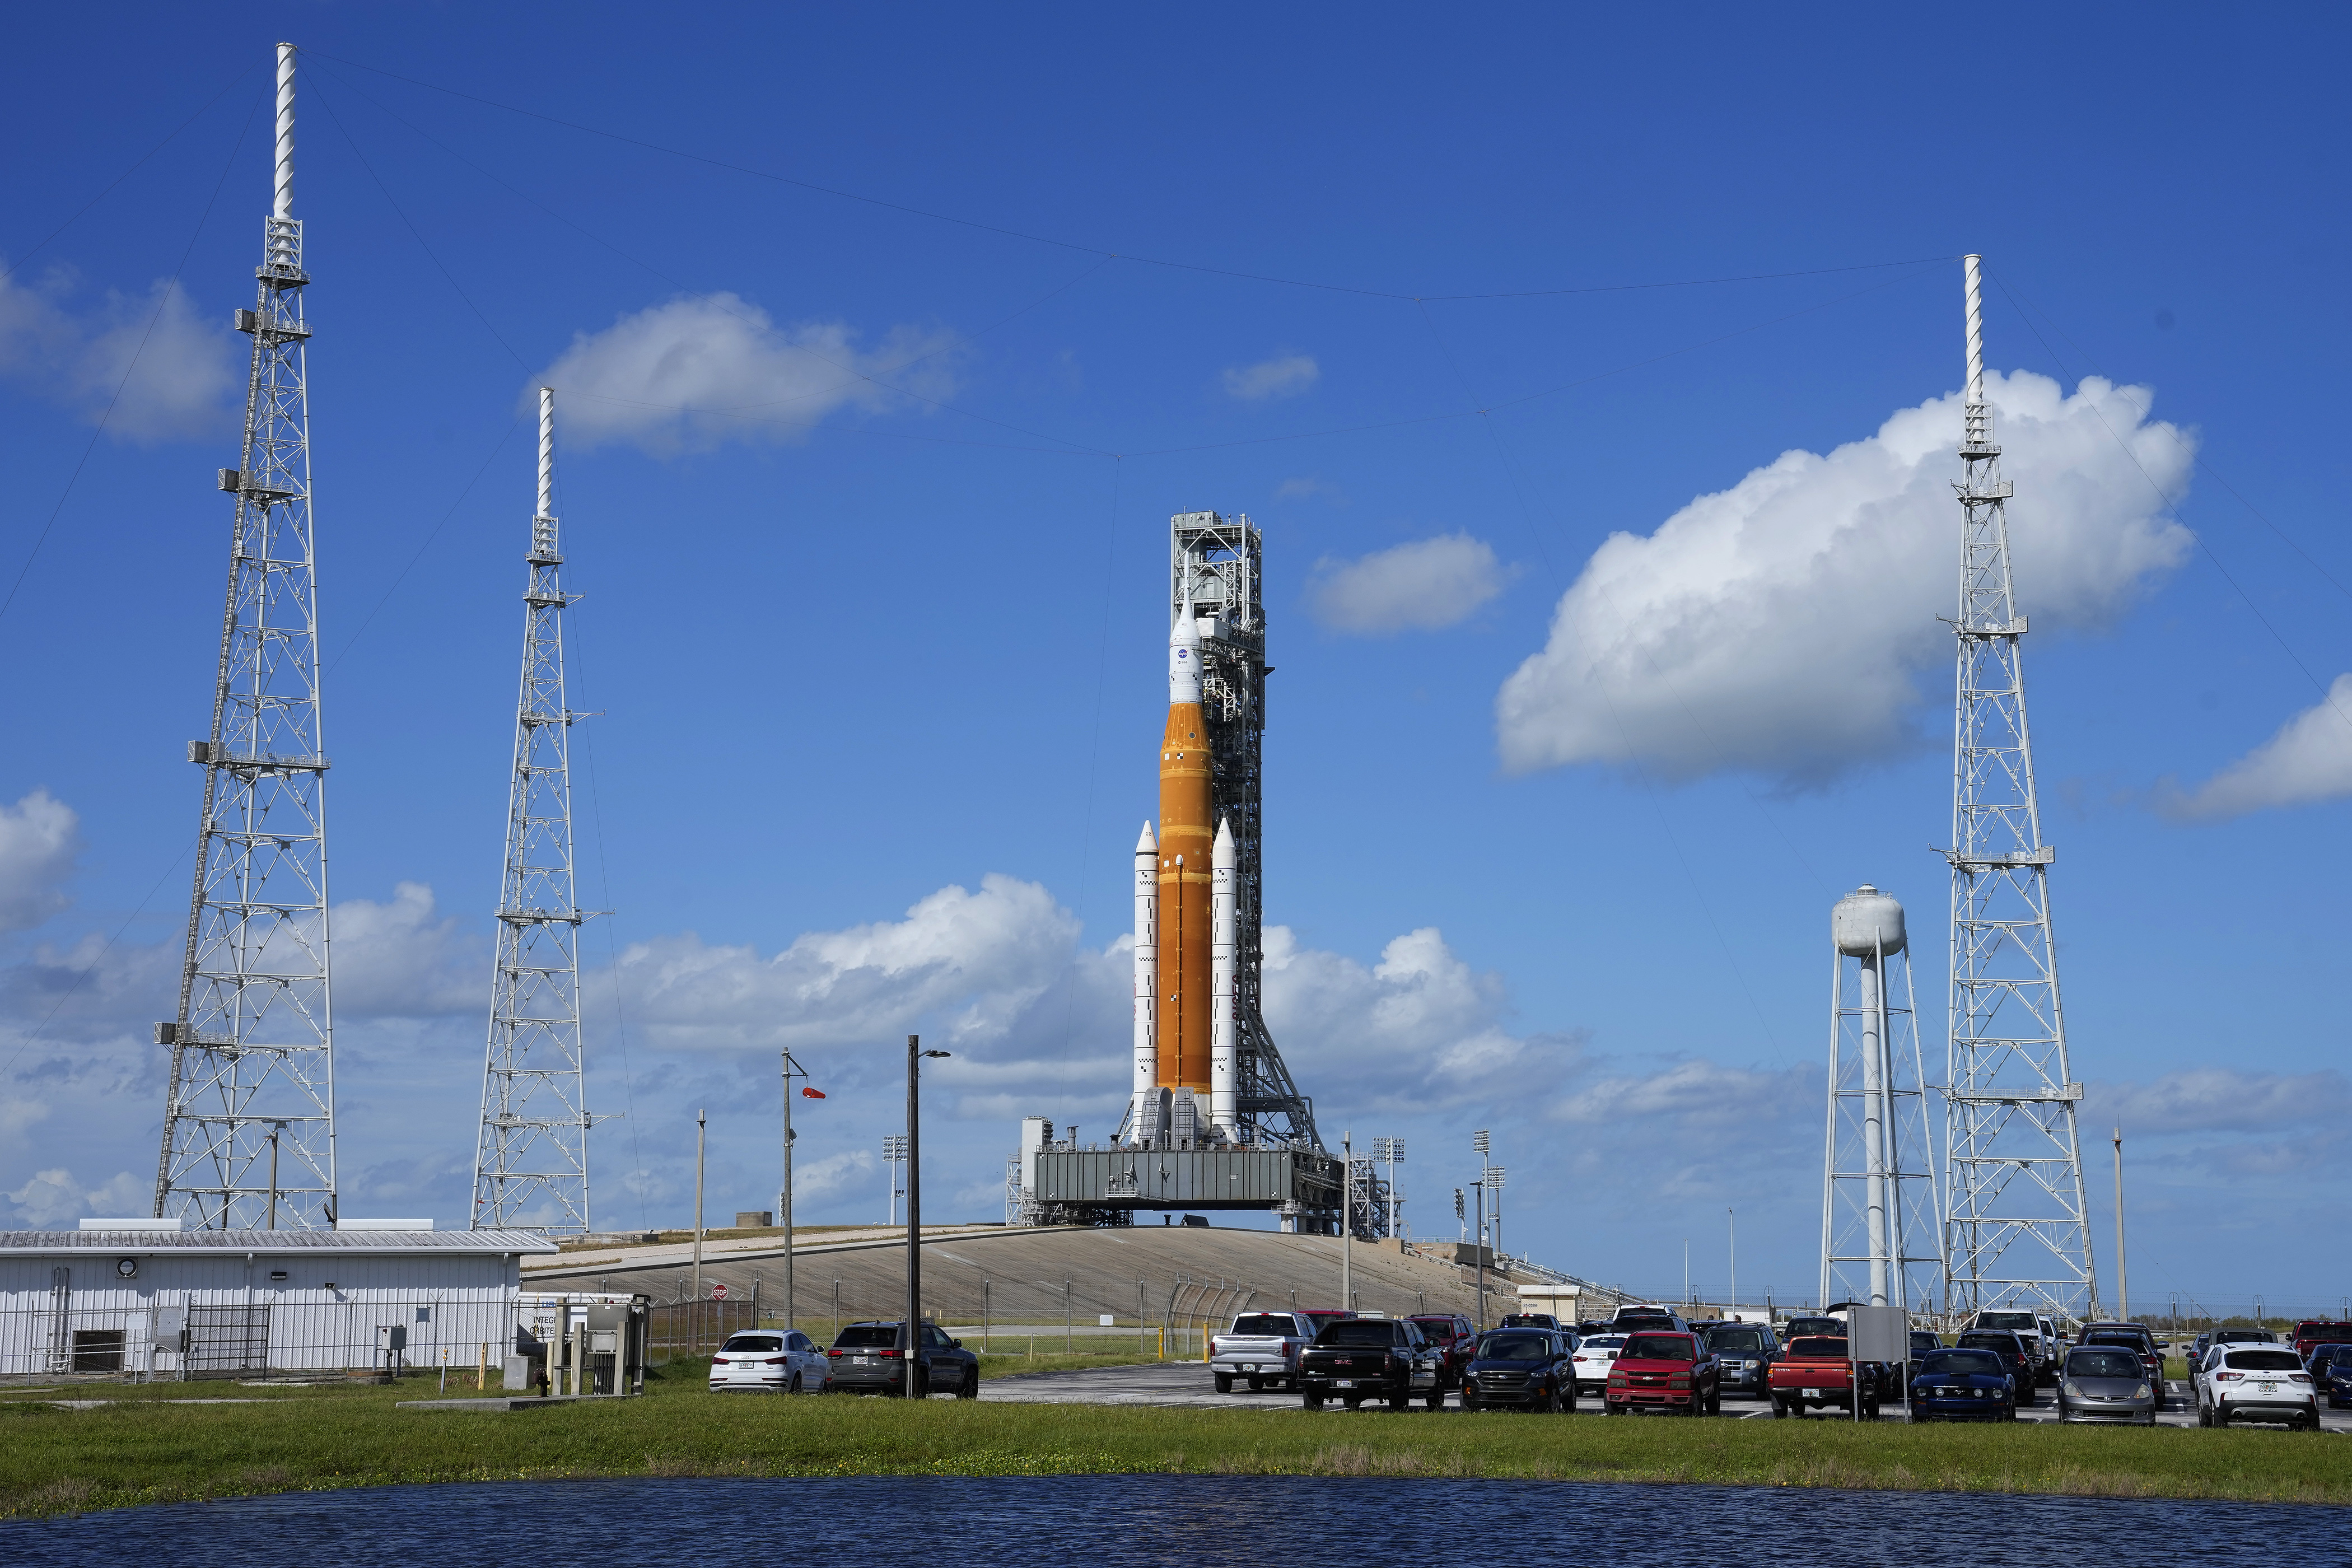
x=531, y=1162
x=2016, y=1209
x=253, y=1043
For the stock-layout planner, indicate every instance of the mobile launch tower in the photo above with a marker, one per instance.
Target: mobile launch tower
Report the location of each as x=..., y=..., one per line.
x=2015, y=1211
x=1216, y=1120
x=249, y=1112
x=1215, y=566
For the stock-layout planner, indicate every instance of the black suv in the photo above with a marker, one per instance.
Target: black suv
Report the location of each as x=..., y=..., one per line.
x=1522, y=1368
x=2015, y=1358
x=870, y=1358
x=1744, y=1353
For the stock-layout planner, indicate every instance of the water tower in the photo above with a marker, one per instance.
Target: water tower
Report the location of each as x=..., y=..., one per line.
x=1881, y=1231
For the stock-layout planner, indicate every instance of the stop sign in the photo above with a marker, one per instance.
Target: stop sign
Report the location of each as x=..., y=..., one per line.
x=719, y=1292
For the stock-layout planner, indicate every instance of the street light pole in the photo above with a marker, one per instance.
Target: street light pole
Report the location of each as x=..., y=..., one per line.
x=700, y=1129
x=2123, y=1279
x=1478, y=1245
x=915, y=1052
x=1731, y=1220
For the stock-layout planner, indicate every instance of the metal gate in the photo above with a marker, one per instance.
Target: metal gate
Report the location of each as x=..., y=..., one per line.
x=224, y=1339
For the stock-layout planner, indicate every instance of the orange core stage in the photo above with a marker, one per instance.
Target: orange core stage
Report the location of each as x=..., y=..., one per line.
x=1187, y=831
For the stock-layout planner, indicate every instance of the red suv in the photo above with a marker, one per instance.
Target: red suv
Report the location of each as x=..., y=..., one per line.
x=1455, y=1336
x=1670, y=1372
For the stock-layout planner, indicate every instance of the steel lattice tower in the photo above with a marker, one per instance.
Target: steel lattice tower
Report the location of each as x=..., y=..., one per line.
x=531, y=1163
x=249, y=1115
x=2016, y=1205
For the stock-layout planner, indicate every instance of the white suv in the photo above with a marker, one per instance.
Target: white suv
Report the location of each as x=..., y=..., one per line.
x=769, y=1360
x=2255, y=1382
x=1592, y=1361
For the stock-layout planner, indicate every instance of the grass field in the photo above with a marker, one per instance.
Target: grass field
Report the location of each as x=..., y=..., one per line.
x=155, y=1445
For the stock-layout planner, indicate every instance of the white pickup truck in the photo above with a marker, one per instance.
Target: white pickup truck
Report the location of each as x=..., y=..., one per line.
x=1260, y=1347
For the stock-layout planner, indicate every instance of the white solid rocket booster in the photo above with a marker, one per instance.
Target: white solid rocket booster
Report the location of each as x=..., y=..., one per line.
x=1223, y=1109
x=1142, y=1118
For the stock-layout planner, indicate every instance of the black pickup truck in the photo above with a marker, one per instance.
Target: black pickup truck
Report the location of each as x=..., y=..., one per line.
x=1371, y=1358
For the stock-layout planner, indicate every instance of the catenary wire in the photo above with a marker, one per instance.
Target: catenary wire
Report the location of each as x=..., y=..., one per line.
x=2017, y=296
x=2326, y=694
x=714, y=297
x=11, y=269
x=162, y=298
x=1647, y=788
x=1105, y=252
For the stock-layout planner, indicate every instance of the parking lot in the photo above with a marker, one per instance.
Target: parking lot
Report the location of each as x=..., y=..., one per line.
x=1187, y=1384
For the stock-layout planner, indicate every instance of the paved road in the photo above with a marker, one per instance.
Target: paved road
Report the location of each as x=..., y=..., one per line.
x=1188, y=1384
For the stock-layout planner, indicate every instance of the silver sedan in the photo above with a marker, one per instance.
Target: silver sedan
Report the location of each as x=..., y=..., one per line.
x=2107, y=1384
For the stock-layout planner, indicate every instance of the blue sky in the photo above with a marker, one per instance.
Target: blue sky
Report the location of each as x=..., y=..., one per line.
x=880, y=663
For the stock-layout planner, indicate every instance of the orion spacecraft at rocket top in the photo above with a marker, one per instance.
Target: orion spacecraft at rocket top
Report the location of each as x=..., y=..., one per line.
x=1184, y=929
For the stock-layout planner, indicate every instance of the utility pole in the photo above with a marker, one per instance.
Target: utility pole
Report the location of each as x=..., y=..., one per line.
x=2016, y=1216
x=253, y=1040
x=533, y=1147
x=1731, y=1226
x=915, y=1207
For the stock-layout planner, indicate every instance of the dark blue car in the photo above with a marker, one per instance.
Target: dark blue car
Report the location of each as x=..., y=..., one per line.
x=1962, y=1385
x=2331, y=1369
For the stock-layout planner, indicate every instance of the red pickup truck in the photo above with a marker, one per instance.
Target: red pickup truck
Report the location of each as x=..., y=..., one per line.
x=1815, y=1372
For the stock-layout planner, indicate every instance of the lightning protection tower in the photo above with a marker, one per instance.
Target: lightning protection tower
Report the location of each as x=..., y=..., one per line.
x=531, y=1162
x=250, y=1113
x=1882, y=1233
x=2015, y=1210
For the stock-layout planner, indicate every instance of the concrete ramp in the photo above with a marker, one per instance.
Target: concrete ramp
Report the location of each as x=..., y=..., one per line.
x=1180, y=1274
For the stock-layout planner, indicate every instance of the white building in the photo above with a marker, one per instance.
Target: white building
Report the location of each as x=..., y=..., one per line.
x=146, y=1297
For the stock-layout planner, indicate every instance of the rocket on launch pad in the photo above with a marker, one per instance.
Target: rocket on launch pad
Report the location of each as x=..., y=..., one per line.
x=1185, y=935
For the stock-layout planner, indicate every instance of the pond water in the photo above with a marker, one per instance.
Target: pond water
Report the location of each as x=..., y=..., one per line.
x=1265, y=1521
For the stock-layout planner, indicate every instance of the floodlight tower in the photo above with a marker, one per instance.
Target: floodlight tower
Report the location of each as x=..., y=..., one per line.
x=253, y=1041
x=531, y=1158
x=1882, y=1234
x=2015, y=1213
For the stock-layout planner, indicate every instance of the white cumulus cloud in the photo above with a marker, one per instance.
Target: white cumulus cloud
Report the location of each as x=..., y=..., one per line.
x=1285, y=376
x=37, y=844
x=404, y=959
x=693, y=373
x=976, y=960
x=1780, y=626
x=165, y=374
x=1424, y=585
x=52, y=1199
x=1421, y=1022
x=2310, y=759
